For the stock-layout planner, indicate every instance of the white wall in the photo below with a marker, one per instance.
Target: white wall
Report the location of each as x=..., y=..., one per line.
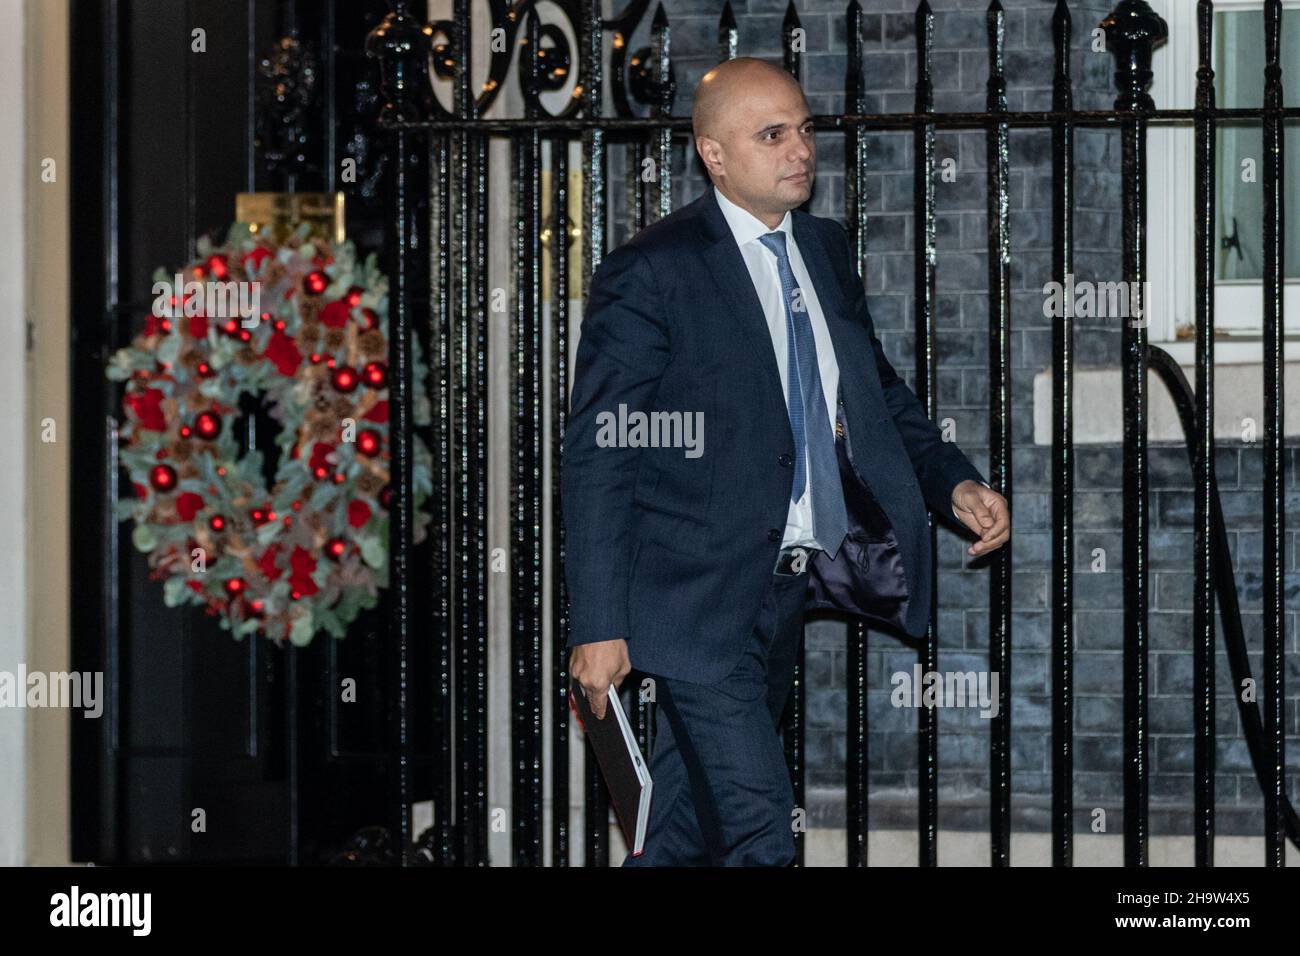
x=13, y=425
x=33, y=386
x=48, y=396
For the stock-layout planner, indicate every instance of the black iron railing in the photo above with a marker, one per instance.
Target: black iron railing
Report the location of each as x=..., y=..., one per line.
x=443, y=152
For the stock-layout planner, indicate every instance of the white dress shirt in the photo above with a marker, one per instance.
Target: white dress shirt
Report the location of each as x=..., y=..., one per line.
x=762, y=264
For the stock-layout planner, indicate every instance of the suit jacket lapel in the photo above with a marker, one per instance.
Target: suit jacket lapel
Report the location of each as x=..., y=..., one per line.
x=724, y=260
x=728, y=267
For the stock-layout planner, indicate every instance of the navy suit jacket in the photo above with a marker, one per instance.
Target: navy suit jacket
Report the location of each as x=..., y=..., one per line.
x=672, y=553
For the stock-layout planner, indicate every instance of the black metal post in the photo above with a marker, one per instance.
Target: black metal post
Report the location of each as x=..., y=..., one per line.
x=1203, y=689
x=855, y=668
x=926, y=273
x=999, y=232
x=1063, y=453
x=1132, y=30
x=400, y=45
x=1274, y=438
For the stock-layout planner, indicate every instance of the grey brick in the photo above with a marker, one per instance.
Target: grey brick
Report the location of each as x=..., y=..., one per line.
x=1097, y=589
x=1098, y=715
x=1098, y=672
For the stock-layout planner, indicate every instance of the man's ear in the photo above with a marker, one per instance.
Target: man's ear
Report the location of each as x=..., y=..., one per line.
x=707, y=147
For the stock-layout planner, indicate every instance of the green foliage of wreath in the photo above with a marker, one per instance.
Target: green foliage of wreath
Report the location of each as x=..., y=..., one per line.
x=302, y=328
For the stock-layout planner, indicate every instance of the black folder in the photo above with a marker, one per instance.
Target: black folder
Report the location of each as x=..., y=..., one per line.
x=621, y=764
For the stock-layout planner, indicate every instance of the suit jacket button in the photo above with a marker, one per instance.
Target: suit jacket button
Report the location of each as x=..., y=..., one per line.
x=786, y=459
x=773, y=534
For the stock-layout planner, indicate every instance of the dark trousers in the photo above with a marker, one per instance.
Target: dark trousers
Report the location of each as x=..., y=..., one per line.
x=722, y=793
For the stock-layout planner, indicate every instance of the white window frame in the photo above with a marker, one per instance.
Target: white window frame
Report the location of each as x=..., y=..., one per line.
x=1170, y=221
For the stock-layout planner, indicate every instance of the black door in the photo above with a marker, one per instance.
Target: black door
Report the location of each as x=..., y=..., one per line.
x=247, y=737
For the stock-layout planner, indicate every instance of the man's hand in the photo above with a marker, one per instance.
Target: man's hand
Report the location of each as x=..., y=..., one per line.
x=597, y=665
x=985, y=512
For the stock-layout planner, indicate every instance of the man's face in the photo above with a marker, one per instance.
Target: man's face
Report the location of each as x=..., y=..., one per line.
x=768, y=151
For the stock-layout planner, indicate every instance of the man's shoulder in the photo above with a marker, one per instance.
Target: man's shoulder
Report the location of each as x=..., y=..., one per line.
x=829, y=230
x=658, y=250
x=669, y=234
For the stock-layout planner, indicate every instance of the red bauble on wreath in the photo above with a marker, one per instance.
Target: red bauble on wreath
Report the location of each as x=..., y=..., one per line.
x=303, y=327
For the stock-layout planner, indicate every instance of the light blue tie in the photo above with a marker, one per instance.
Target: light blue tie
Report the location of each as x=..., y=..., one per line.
x=806, y=405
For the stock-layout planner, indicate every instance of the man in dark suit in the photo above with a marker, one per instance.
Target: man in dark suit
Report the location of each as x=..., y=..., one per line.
x=693, y=552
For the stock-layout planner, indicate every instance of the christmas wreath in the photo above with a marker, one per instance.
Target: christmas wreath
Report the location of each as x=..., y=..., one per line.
x=302, y=327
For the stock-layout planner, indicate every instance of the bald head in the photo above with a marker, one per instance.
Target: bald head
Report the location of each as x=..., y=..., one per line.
x=754, y=134
x=723, y=85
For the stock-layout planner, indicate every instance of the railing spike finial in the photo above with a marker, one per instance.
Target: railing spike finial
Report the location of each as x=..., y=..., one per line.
x=1204, y=50
x=1133, y=30
x=924, y=67
x=790, y=50
x=402, y=47
x=1062, y=26
x=996, y=20
x=1273, y=47
x=728, y=35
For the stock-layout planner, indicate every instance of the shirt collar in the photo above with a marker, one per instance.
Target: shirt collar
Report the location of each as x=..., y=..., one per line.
x=745, y=226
